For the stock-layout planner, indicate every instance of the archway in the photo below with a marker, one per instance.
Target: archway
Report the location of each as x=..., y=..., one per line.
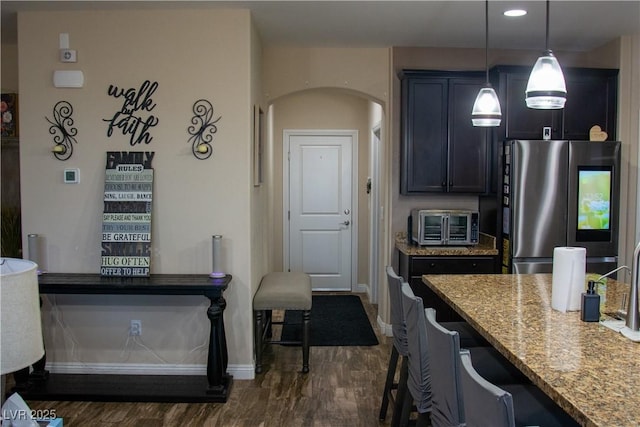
x=331, y=108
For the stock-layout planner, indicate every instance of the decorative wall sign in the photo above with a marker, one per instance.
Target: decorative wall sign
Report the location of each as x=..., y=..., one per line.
x=9, y=114
x=131, y=119
x=62, y=130
x=126, y=221
x=202, y=129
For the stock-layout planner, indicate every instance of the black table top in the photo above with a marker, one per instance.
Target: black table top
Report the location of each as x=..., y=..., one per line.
x=155, y=284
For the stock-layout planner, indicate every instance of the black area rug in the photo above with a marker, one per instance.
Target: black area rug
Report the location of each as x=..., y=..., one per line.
x=336, y=320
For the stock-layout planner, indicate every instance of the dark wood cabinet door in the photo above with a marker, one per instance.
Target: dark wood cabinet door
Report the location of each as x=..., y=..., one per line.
x=424, y=138
x=591, y=100
x=592, y=96
x=468, y=149
x=411, y=269
x=518, y=120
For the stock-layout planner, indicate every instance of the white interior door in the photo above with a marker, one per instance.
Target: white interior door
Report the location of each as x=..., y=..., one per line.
x=320, y=211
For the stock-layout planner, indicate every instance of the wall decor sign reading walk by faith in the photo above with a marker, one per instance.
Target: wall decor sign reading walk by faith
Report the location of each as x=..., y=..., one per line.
x=126, y=221
x=132, y=118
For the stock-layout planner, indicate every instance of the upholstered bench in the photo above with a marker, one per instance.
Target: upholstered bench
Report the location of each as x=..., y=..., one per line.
x=281, y=291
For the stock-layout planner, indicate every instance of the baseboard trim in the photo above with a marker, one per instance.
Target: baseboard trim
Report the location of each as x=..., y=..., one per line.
x=362, y=288
x=238, y=372
x=385, y=327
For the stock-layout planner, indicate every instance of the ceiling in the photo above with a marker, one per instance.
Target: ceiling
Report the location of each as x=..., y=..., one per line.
x=574, y=25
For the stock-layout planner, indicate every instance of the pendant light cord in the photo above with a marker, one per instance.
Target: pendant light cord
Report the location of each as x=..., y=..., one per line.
x=486, y=39
x=546, y=43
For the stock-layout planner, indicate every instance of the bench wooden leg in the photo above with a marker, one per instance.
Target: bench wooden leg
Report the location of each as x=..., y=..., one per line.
x=258, y=330
x=306, y=331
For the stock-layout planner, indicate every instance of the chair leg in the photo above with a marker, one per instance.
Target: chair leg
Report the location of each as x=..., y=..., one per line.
x=306, y=331
x=404, y=401
x=268, y=321
x=388, y=385
x=424, y=420
x=405, y=411
x=258, y=331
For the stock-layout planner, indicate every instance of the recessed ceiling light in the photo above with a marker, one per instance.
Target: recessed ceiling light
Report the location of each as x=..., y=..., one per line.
x=515, y=12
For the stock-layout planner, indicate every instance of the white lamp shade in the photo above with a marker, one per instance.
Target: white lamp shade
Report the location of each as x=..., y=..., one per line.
x=546, y=88
x=21, y=342
x=486, y=109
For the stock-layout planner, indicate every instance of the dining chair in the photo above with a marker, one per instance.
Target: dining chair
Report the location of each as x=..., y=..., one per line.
x=486, y=404
x=399, y=348
x=418, y=379
x=447, y=409
x=443, y=350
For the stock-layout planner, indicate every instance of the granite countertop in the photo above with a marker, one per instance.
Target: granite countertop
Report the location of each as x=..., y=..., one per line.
x=486, y=247
x=591, y=371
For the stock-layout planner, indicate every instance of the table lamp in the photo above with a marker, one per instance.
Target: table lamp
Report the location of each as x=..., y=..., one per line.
x=21, y=343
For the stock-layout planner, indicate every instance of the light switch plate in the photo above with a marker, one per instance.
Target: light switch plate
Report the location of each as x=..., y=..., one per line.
x=72, y=176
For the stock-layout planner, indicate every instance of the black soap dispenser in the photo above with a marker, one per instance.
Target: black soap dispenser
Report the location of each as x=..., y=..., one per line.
x=590, y=304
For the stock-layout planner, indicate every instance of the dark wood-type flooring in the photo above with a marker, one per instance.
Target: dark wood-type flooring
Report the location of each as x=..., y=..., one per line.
x=344, y=388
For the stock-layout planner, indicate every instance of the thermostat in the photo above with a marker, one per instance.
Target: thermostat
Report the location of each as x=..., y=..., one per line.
x=72, y=176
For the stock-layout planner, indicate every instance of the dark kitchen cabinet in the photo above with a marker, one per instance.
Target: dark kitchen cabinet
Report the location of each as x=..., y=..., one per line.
x=441, y=150
x=412, y=267
x=591, y=100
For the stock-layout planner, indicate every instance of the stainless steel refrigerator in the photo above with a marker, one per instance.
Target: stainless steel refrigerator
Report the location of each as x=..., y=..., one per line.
x=559, y=193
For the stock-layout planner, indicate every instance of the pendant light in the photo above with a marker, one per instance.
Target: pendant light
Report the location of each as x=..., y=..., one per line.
x=486, y=110
x=546, y=89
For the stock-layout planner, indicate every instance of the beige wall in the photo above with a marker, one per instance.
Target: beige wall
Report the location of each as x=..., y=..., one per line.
x=288, y=70
x=8, y=68
x=260, y=239
x=629, y=134
x=193, y=199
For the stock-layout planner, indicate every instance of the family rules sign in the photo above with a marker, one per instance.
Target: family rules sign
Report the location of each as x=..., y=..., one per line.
x=126, y=221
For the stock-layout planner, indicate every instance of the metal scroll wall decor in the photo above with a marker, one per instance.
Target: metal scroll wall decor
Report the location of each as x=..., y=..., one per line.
x=62, y=130
x=202, y=129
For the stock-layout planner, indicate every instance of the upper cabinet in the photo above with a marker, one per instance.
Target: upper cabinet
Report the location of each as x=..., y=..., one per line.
x=591, y=100
x=441, y=150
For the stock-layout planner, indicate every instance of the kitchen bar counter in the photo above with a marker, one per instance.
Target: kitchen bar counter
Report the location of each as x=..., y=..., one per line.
x=486, y=247
x=591, y=371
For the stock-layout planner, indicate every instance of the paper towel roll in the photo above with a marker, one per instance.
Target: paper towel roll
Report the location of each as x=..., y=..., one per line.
x=568, y=281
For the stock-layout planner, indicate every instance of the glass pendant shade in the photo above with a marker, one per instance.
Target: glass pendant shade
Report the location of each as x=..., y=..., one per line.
x=486, y=110
x=546, y=88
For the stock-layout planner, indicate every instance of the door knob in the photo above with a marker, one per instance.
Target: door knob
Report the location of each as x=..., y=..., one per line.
x=347, y=222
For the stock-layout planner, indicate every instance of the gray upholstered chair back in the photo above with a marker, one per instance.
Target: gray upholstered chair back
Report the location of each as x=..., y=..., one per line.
x=419, y=382
x=446, y=398
x=485, y=404
x=398, y=325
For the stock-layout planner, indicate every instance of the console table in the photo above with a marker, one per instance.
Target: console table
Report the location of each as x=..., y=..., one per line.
x=143, y=388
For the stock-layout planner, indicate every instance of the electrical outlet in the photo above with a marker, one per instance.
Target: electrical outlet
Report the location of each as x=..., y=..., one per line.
x=135, y=328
